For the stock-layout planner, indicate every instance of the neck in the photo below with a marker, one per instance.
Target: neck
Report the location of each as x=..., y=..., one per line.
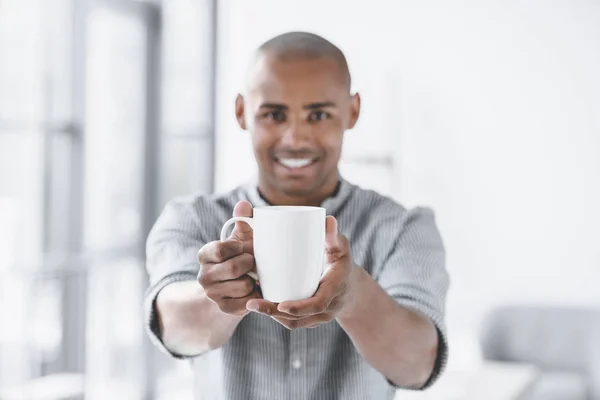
x=276, y=197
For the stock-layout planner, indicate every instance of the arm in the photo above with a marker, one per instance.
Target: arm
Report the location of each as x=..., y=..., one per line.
x=401, y=344
x=405, y=297
x=197, y=305
x=189, y=322
x=407, y=347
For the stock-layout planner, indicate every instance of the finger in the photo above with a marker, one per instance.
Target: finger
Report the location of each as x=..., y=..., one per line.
x=265, y=307
x=314, y=321
x=233, y=268
x=218, y=252
x=331, y=231
x=314, y=305
x=317, y=320
x=236, y=306
x=308, y=322
x=336, y=245
x=241, y=230
x=234, y=289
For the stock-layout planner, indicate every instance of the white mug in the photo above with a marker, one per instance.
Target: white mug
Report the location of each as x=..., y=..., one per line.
x=289, y=249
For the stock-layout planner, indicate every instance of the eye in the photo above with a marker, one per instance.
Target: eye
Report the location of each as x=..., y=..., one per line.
x=318, y=116
x=275, y=115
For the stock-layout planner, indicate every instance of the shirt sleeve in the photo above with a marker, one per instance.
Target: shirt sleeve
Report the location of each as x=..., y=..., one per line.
x=171, y=256
x=414, y=274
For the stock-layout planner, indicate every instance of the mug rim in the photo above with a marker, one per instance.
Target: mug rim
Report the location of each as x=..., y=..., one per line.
x=289, y=208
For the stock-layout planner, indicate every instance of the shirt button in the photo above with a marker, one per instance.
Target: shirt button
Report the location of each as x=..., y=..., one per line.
x=297, y=364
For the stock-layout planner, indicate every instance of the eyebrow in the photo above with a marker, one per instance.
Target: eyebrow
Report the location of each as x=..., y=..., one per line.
x=324, y=104
x=275, y=106
x=311, y=106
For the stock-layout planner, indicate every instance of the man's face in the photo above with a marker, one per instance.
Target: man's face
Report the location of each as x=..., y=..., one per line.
x=297, y=112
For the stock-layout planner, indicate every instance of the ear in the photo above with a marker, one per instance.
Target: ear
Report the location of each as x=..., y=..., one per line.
x=354, y=110
x=239, y=111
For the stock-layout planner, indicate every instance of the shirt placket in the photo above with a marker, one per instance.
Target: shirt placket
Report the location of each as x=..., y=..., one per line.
x=298, y=388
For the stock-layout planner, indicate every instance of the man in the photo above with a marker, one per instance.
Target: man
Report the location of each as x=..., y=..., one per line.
x=377, y=316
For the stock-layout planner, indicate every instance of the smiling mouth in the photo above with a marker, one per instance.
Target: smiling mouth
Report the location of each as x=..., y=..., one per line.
x=296, y=163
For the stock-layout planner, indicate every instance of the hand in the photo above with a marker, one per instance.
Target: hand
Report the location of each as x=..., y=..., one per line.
x=224, y=265
x=333, y=296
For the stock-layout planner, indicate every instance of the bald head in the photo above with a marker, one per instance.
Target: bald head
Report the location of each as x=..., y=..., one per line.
x=304, y=46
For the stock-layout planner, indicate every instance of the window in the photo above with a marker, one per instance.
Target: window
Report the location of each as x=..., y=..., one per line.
x=27, y=132
x=85, y=167
x=76, y=119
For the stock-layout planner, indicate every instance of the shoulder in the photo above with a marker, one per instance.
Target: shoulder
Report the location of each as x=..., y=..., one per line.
x=198, y=212
x=202, y=205
x=383, y=211
x=379, y=206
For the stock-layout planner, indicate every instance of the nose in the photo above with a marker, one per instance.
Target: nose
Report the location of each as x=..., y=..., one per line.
x=295, y=135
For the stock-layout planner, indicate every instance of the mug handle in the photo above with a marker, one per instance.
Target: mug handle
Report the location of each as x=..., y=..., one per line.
x=226, y=226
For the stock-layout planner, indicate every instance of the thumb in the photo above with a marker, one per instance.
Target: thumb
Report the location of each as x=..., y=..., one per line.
x=336, y=244
x=331, y=234
x=242, y=209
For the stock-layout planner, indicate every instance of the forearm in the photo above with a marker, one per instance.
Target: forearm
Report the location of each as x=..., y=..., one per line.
x=189, y=322
x=400, y=343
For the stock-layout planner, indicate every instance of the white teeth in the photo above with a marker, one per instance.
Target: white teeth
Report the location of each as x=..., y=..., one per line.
x=295, y=162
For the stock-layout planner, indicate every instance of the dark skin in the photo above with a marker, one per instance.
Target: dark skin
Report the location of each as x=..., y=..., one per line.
x=297, y=109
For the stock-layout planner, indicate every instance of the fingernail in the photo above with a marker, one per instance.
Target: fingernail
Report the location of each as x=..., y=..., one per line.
x=283, y=309
x=252, y=306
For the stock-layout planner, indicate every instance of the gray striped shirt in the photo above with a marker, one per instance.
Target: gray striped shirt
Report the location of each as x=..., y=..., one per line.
x=401, y=249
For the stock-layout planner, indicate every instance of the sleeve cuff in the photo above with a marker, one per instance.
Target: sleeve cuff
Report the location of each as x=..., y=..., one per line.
x=442, y=350
x=151, y=317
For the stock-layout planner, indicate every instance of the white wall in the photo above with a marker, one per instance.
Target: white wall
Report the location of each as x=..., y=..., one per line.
x=501, y=135
x=492, y=115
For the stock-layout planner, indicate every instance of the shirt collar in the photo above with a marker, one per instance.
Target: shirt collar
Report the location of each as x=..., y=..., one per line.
x=332, y=204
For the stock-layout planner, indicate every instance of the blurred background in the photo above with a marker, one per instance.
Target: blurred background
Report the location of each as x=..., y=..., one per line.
x=488, y=112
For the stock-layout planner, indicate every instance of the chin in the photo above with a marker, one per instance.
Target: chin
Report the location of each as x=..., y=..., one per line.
x=297, y=188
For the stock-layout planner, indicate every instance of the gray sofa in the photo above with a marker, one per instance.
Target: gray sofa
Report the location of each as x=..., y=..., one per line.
x=564, y=343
